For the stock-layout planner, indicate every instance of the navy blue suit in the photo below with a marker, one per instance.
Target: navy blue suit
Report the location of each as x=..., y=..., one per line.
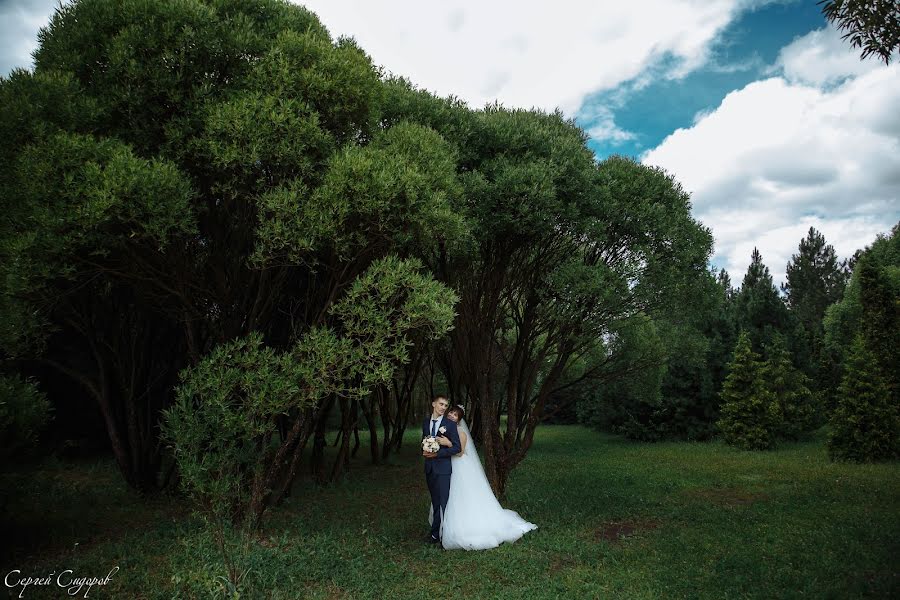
x=438, y=470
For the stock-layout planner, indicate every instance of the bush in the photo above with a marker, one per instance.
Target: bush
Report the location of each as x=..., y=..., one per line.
x=24, y=410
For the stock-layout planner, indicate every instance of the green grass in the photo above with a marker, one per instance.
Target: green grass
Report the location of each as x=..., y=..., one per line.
x=616, y=519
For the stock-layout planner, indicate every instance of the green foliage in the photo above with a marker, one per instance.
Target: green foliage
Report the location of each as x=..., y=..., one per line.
x=750, y=413
x=872, y=25
x=798, y=405
x=880, y=303
x=24, y=410
x=80, y=198
x=335, y=81
x=224, y=409
x=875, y=318
x=207, y=169
x=689, y=348
x=865, y=426
x=152, y=65
x=630, y=402
x=227, y=405
x=814, y=281
x=758, y=309
x=392, y=194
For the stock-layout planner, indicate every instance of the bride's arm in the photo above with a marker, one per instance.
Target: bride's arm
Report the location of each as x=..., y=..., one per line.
x=463, y=438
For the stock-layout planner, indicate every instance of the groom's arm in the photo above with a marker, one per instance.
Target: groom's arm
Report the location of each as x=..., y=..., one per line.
x=453, y=435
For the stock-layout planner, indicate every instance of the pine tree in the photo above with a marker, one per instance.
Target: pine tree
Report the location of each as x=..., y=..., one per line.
x=814, y=281
x=881, y=321
x=758, y=309
x=791, y=388
x=865, y=425
x=750, y=415
x=722, y=336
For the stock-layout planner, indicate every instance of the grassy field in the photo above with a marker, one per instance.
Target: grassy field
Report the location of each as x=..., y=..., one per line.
x=616, y=519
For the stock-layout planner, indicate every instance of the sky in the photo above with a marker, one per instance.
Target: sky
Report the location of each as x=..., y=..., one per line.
x=764, y=115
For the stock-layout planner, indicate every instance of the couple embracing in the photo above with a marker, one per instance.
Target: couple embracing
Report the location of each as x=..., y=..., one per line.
x=464, y=512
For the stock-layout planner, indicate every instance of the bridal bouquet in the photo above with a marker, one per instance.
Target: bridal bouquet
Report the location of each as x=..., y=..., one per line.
x=430, y=444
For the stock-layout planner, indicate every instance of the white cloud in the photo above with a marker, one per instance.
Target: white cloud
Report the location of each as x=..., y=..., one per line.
x=820, y=58
x=527, y=54
x=604, y=126
x=19, y=24
x=794, y=151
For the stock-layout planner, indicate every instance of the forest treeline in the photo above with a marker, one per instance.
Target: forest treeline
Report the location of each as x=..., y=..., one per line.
x=756, y=365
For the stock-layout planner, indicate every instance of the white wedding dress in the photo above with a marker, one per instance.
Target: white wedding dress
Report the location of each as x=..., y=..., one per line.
x=474, y=520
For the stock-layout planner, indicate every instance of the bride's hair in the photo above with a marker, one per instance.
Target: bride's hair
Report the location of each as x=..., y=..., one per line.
x=460, y=412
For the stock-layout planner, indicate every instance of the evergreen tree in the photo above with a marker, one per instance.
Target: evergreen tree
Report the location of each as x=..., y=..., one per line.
x=791, y=388
x=814, y=281
x=875, y=317
x=865, y=425
x=724, y=280
x=880, y=302
x=722, y=336
x=750, y=415
x=758, y=309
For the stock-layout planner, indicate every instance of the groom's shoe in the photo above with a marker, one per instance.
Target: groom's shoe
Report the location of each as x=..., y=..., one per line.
x=430, y=539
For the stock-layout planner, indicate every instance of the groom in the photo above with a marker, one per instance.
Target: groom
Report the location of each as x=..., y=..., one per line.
x=437, y=464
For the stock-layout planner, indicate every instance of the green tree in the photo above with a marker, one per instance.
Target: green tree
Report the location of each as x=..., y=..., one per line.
x=873, y=25
x=671, y=392
x=758, y=309
x=848, y=318
x=880, y=303
x=566, y=250
x=179, y=174
x=224, y=423
x=629, y=400
x=865, y=425
x=750, y=415
x=814, y=281
x=798, y=405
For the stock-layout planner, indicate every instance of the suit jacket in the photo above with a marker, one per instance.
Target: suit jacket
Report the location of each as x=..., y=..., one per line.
x=440, y=465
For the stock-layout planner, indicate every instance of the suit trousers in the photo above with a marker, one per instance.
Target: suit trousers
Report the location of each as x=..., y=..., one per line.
x=439, y=487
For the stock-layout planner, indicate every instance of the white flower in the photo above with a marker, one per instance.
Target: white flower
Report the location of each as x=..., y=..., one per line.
x=442, y=429
x=429, y=444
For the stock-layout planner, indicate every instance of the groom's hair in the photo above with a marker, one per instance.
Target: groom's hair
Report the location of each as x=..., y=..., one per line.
x=438, y=397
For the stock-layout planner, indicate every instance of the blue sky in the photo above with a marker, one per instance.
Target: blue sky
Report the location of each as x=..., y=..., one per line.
x=757, y=108
x=740, y=55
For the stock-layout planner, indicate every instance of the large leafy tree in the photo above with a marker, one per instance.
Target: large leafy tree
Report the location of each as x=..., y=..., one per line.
x=183, y=173
x=563, y=252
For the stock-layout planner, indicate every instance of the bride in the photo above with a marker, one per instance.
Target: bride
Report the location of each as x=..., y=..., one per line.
x=474, y=520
